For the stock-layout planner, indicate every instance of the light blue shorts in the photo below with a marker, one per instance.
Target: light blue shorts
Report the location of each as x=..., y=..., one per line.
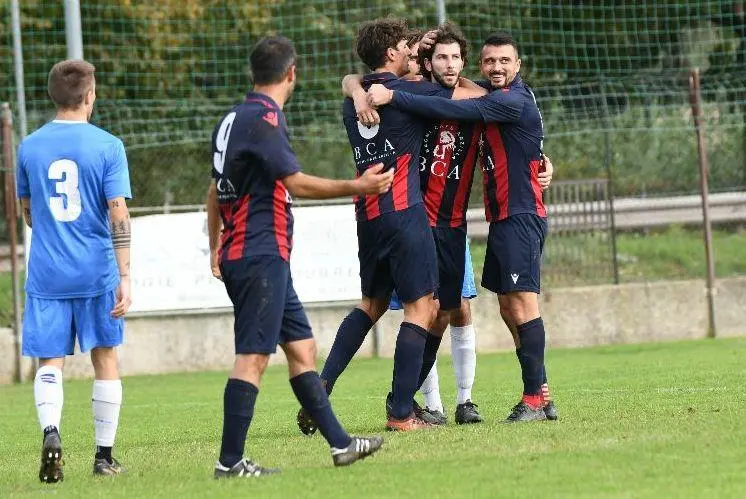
x=468, y=291
x=50, y=326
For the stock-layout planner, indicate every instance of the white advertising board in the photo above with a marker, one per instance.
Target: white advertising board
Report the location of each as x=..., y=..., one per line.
x=171, y=261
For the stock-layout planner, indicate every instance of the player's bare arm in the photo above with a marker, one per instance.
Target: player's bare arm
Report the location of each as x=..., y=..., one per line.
x=352, y=88
x=546, y=170
x=121, y=235
x=312, y=187
x=214, y=226
x=26, y=208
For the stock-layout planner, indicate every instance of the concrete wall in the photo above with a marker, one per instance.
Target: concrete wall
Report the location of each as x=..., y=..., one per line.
x=574, y=317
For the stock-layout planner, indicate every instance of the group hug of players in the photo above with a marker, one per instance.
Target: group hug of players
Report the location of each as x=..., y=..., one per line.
x=418, y=131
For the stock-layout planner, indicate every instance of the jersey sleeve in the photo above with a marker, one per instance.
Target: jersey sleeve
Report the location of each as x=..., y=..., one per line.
x=498, y=107
x=437, y=107
x=501, y=106
x=116, y=173
x=273, y=147
x=22, y=184
x=424, y=87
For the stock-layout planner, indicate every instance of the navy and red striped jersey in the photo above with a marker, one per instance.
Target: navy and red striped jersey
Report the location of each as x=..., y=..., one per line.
x=395, y=142
x=447, y=161
x=251, y=155
x=511, y=145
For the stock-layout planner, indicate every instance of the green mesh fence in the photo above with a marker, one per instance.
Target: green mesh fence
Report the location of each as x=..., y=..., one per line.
x=610, y=78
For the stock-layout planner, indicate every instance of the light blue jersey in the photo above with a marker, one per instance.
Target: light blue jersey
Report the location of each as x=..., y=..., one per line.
x=69, y=170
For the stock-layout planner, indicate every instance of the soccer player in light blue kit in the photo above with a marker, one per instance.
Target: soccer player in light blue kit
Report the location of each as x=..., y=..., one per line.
x=72, y=183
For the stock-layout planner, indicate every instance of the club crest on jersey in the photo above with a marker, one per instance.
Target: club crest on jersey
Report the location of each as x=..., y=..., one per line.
x=441, y=142
x=271, y=118
x=367, y=132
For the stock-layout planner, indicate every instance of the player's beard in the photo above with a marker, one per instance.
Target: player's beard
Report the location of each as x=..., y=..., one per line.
x=439, y=79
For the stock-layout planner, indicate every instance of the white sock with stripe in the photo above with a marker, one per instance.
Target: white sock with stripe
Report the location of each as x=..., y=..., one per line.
x=107, y=399
x=463, y=350
x=48, y=396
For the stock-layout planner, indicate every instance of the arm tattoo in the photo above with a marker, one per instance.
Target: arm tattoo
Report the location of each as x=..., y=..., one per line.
x=120, y=233
x=27, y=215
x=127, y=270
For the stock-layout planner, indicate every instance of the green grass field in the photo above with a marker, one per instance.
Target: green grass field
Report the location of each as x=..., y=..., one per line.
x=659, y=420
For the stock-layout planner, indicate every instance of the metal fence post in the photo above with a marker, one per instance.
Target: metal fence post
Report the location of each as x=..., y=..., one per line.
x=12, y=218
x=73, y=30
x=696, y=101
x=441, y=9
x=15, y=14
x=609, y=178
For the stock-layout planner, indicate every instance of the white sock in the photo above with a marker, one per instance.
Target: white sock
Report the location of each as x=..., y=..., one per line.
x=107, y=399
x=430, y=390
x=463, y=350
x=48, y=396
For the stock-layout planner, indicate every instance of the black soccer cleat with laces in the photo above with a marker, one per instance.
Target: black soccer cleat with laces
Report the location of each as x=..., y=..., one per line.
x=245, y=468
x=467, y=413
x=50, y=470
x=550, y=410
x=428, y=415
x=522, y=412
x=359, y=448
x=306, y=424
x=104, y=467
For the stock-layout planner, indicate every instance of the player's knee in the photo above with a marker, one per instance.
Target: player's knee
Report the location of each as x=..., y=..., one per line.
x=250, y=366
x=522, y=307
x=461, y=316
x=374, y=307
x=105, y=363
x=439, y=325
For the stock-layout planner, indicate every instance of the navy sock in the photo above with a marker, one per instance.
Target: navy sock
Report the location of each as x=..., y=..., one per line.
x=410, y=345
x=350, y=337
x=543, y=368
x=312, y=396
x=432, y=343
x=531, y=355
x=238, y=409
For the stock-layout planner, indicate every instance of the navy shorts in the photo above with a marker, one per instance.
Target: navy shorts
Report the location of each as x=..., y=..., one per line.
x=450, y=245
x=397, y=252
x=513, y=259
x=266, y=309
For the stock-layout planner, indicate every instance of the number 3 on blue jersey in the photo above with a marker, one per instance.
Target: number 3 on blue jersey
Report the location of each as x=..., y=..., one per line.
x=66, y=174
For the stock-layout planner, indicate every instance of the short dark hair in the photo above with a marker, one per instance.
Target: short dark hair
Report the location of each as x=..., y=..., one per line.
x=374, y=38
x=446, y=33
x=500, y=38
x=271, y=59
x=414, y=36
x=69, y=81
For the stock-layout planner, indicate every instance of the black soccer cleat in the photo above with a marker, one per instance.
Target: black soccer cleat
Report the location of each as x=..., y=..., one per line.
x=550, y=410
x=243, y=468
x=522, y=412
x=467, y=413
x=103, y=467
x=306, y=424
x=359, y=448
x=428, y=415
x=50, y=470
